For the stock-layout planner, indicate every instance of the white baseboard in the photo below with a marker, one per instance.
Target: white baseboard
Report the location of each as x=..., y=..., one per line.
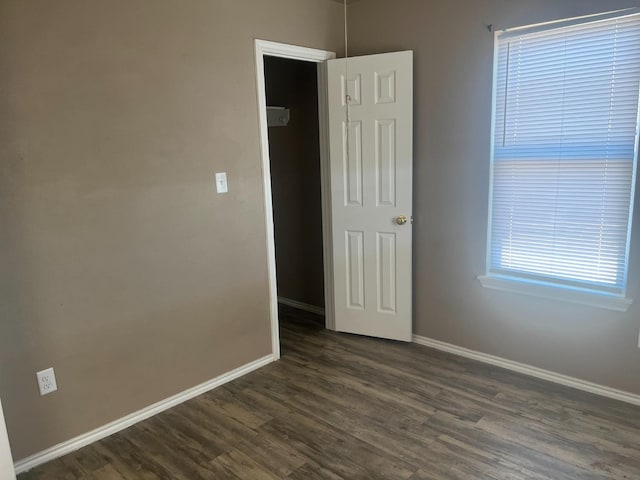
x=101, y=432
x=301, y=306
x=530, y=370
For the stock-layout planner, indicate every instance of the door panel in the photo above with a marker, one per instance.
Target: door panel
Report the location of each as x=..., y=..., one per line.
x=371, y=150
x=386, y=162
x=386, y=252
x=353, y=165
x=355, y=269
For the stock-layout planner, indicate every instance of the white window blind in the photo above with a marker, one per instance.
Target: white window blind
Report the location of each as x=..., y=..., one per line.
x=564, y=154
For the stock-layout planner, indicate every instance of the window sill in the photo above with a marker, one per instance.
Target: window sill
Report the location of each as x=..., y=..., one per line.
x=610, y=302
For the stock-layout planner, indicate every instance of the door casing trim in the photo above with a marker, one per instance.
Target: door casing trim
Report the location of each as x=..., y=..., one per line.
x=266, y=48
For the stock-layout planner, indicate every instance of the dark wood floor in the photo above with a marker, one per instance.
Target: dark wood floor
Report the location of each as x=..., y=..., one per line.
x=346, y=407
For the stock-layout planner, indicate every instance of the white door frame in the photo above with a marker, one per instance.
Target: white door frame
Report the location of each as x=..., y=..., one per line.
x=6, y=463
x=282, y=50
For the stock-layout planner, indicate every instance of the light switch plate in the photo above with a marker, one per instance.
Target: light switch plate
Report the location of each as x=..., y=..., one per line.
x=221, y=182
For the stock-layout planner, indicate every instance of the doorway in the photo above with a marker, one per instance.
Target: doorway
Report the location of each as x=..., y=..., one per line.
x=291, y=88
x=297, y=129
x=365, y=110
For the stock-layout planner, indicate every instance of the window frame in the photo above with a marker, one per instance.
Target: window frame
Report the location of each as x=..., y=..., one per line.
x=541, y=288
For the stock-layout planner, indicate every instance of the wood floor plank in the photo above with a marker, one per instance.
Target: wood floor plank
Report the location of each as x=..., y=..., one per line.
x=128, y=460
x=325, y=445
x=107, y=472
x=277, y=457
x=345, y=407
x=311, y=471
x=243, y=466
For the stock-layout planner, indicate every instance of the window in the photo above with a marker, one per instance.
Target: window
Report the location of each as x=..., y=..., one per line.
x=564, y=150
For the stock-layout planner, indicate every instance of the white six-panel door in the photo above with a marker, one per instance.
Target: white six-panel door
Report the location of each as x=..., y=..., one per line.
x=6, y=464
x=371, y=149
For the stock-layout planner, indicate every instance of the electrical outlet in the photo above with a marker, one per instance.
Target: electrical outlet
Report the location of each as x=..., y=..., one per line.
x=47, y=381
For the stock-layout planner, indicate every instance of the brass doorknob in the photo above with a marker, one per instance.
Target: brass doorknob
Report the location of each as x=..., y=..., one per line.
x=401, y=219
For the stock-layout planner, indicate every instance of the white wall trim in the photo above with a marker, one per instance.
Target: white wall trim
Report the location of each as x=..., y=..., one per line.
x=265, y=48
x=294, y=52
x=563, y=294
x=109, y=429
x=325, y=191
x=532, y=371
x=301, y=305
x=7, y=471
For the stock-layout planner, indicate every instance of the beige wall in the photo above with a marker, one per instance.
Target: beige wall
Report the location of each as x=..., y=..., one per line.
x=119, y=265
x=453, y=77
x=294, y=153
